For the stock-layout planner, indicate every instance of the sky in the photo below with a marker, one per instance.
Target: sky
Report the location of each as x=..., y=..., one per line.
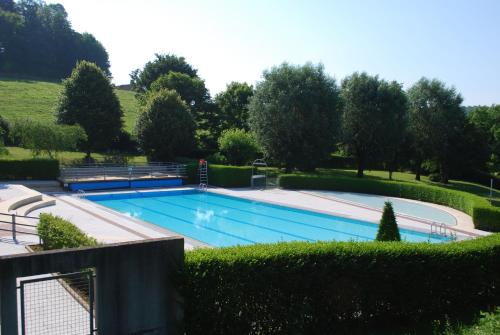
x=456, y=41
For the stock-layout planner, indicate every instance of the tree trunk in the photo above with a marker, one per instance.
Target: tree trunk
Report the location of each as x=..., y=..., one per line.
x=417, y=170
x=444, y=174
x=390, y=174
x=361, y=167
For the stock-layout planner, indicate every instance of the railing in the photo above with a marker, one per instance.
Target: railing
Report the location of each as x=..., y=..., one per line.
x=18, y=221
x=100, y=171
x=440, y=229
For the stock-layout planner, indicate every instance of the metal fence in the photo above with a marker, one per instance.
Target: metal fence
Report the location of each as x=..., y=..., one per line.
x=19, y=225
x=58, y=304
x=113, y=171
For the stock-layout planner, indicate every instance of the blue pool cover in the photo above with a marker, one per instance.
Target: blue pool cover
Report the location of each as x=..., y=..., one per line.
x=221, y=220
x=115, y=184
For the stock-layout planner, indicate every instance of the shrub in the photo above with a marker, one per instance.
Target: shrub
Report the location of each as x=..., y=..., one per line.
x=229, y=176
x=47, y=138
x=221, y=175
x=238, y=146
x=435, y=177
x=484, y=215
x=388, y=229
x=312, y=288
x=58, y=233
x=165, y=128
x=29, y=169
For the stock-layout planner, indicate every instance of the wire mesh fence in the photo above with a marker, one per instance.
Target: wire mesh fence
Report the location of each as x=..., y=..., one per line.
x=58, y=304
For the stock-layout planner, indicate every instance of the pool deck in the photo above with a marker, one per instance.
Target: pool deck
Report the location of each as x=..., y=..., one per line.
x=109, y=226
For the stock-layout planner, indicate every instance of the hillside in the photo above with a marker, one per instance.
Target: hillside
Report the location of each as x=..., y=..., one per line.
x=36, y=100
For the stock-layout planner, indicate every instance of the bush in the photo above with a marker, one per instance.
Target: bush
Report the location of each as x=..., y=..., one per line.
x=238, y=146
x=229, y=176
x=312, y=288
x=388, y=228
x=47, y=138
x=485, y=216
x=221, y=175
x=435, y=177
x=29, y=169
x=58, y=233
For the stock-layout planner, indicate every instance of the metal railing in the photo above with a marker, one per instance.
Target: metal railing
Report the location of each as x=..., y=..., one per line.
x=102, y=171
x=16, y=225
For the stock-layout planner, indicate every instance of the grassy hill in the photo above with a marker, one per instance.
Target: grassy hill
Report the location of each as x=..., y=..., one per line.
x=20, y=99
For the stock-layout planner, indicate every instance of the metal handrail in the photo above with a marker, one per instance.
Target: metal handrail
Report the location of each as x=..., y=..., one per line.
x=104, y=171
x=14, y=224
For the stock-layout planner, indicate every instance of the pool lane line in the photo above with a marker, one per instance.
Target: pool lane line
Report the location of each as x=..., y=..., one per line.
x=188, y=222
x=271, y=229
x=106, y=220
x=450, y=227
x=242, y=222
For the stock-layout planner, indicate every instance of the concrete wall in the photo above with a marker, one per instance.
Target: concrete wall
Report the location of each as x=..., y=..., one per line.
x=135, y=284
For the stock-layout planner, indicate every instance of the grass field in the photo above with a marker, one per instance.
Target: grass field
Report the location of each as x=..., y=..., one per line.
x=66, y=157
x=36, y=100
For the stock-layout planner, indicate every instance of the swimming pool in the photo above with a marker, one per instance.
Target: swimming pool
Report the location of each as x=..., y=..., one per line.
x=221, y=220
x=400, y=206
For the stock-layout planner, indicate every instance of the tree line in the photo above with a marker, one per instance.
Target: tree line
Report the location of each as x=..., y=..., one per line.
x=37, y=40
x=295, y=117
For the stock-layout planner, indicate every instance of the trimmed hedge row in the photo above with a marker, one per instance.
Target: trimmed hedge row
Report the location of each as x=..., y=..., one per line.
x=29, y=169
x=58, y=233
x=485, y=216
x=336, y=287
x=222, y=175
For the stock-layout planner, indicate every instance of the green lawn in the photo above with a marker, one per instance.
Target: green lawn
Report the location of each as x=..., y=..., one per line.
x=66, y=157
x=20, y=99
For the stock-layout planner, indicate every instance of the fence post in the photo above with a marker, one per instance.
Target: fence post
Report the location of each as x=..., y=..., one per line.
x=14, y=227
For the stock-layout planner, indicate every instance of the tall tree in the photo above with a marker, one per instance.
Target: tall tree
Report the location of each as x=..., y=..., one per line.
x=295, y=115
x=486, y=120
x=233, y=105
x=88, y=99
x=191, y=89
x=38, y=40
x=165, y=127
x=394, y=108
x=373, y=122
x=141, y=80
x=437, y=121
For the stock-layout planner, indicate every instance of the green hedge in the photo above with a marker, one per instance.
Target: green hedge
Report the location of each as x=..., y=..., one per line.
x=484, y=215
x=333, y=287
x=58, y=233
x=222, y=175
x=29, y=169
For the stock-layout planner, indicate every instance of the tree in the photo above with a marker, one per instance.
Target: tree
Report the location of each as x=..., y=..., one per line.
x=486, y=120
x=165, y=128
x=388, y=228
x=238, y=146
x=38, y=40
x=373, y=122
x=47, y=138
x=88, y=99
x=295, y=115
x=233, y=105
x=141, y=80
x=394, y=108
x=191, y=89
x=437, y=122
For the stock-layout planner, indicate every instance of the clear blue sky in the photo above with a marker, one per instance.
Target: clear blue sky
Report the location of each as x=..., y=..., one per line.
x=457, y=41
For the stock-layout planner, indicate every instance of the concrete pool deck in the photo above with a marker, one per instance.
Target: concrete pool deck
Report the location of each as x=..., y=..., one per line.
x=109, y=226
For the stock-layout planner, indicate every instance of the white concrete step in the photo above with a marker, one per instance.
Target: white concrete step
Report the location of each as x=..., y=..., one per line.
x=46, y=201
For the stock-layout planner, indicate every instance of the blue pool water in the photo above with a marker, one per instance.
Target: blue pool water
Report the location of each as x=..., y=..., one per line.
x=400, y=206
x=221, y=220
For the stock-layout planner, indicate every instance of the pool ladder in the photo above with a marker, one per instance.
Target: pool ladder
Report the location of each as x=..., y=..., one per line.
x=203, y=168
x=440, y=229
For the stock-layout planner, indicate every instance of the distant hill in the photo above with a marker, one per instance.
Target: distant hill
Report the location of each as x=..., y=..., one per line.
x=20, y=99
